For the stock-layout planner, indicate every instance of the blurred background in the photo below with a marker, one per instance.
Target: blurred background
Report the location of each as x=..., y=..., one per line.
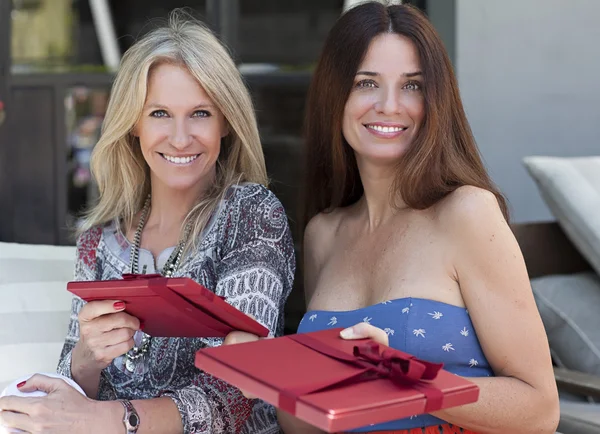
x=528, y=74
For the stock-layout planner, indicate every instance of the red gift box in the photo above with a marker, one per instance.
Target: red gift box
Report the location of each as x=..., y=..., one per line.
x=336, y=384
x=171, y=307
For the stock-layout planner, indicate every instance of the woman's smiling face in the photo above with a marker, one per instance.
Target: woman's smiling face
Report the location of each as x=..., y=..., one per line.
x=180, y=129
x=386, y=106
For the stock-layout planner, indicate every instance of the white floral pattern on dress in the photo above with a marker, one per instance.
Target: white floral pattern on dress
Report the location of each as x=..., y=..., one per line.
x=473, y=362
x=367, y=320
x=389, y=331
x=419, y=332
x=436, y=314
x=332, y=321
x=464, y=332
x=406, y=310
x=313, y=317
x=448, y=347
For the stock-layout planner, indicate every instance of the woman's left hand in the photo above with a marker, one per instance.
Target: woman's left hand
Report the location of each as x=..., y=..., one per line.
x=64, y=409
x=365, y=330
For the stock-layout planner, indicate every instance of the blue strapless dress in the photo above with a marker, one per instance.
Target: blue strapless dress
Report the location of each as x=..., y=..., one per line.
x=430, y=330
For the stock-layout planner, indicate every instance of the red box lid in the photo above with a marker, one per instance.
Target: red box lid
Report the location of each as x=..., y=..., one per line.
x=171, y=307
x=271, y=368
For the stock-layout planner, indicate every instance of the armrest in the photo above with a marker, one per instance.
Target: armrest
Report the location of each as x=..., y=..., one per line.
x=577, y=382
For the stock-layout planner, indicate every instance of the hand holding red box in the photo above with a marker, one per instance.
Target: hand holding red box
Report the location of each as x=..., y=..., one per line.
x=335, y=384
x=171, y=307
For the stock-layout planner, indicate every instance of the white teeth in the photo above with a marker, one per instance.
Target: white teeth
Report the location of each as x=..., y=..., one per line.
x=180, y=160
x=385, y=129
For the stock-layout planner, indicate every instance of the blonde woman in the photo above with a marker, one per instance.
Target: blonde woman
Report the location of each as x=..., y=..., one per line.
x=182, y=179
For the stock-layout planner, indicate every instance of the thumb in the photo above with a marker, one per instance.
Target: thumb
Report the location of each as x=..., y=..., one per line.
x=357, y=331
x=364, y=330
x=41, y=383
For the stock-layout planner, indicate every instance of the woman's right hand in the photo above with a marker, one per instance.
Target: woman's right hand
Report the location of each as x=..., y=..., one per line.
x=105, y=333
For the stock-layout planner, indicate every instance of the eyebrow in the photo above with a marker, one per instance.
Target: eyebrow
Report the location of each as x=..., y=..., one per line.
x=160, y=106
x=375, y=74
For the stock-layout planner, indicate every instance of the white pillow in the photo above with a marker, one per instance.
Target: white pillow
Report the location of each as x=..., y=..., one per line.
x=34, y=307
x=571, y=189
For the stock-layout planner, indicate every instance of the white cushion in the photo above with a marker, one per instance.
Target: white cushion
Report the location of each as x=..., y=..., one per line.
x=571, y=189
x=34, y=307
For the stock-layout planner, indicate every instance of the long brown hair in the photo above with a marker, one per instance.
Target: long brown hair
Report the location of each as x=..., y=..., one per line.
x=443, y=155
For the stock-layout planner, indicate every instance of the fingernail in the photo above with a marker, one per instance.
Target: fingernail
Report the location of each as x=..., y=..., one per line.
x=21, y=384
x=119, y=305
x=347, y=333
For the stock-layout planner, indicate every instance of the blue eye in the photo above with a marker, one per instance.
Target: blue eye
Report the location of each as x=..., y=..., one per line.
x=159, y=114
x=201, y=114
x=412, y=85
x=366, y=84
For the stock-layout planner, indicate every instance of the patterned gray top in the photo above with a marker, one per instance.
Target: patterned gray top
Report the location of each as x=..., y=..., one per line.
x=246, y=255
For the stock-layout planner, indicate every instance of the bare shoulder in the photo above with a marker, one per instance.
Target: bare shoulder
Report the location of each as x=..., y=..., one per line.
x=474, y=228
x=470, y=209
x=323, y=224
x=322, y=227
x=318, y=241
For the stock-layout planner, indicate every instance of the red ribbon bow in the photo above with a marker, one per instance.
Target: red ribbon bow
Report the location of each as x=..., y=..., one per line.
x=403, y=369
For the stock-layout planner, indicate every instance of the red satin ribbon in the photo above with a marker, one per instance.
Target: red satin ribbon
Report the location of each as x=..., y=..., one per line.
x=401, y=368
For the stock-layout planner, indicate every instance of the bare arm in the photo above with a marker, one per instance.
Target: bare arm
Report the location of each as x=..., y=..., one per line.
x=491, y=272
x=158, y=415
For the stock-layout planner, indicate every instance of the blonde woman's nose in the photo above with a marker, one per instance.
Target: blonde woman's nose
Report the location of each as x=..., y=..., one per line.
x=181, y=137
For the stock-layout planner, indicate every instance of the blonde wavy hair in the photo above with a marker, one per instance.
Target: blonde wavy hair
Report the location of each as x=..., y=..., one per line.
x=117, y=164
